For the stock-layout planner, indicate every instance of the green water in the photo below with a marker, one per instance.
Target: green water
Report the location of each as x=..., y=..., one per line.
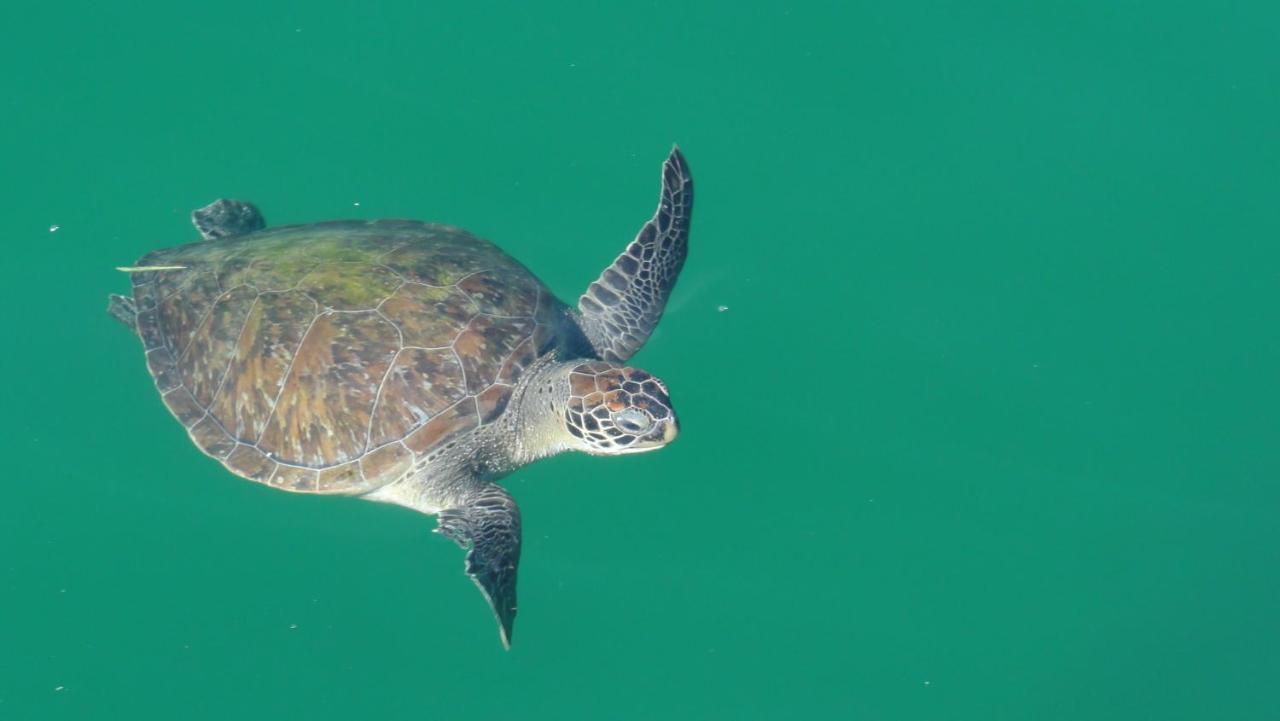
x=988, y=429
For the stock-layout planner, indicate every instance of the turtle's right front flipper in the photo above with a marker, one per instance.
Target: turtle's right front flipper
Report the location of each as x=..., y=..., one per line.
x=623, y=306
x=489, y=523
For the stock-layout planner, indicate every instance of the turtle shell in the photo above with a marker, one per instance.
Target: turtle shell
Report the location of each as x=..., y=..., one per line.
x=336, y=357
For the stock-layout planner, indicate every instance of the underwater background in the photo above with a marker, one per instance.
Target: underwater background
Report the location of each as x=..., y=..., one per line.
x=975, y=356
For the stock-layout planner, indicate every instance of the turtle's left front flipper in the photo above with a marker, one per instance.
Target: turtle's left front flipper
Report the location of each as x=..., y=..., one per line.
x=489, y=522
x=623, y=306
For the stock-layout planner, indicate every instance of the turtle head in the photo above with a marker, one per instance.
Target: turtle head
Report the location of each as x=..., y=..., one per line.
x=613, y=410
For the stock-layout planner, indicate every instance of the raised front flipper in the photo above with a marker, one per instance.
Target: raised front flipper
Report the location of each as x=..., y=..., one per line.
x=224, y=218
x=623, y=306
x=490, y=524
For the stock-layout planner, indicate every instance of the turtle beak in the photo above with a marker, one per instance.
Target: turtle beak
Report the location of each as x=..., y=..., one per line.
x=654, y=440
x=670, y=432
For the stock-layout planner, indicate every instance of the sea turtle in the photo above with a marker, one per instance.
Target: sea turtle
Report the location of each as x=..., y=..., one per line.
x=405, y=362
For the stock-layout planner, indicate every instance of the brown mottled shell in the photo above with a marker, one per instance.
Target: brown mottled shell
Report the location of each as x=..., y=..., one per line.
x=330, y=358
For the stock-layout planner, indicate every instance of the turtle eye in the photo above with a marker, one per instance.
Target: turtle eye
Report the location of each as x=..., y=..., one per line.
x=632, y=420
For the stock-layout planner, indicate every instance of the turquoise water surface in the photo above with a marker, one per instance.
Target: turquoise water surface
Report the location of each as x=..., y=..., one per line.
x=975, y=359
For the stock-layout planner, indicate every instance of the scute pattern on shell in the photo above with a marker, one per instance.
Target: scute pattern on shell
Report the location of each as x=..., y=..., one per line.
x=330, y=358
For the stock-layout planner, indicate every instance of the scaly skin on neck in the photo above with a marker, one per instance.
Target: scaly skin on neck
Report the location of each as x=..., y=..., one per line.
x=532, y=427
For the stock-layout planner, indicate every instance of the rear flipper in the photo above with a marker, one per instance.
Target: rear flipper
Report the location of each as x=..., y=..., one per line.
x=224, y=218
x=489, y=523
x=122, y=309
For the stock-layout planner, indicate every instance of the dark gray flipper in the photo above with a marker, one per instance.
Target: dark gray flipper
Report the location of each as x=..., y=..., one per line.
x=224, y=218
x=490, y=524
x=623, y=306
x=122, y=309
